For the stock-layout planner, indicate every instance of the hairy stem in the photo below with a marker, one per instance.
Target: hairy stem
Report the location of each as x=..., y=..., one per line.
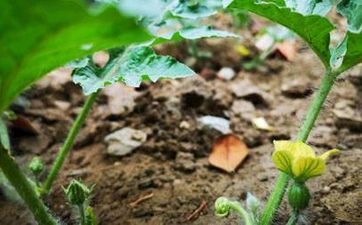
x=62, y=154
x=308, y=123
x=224, y=206
x=24, y=188
x=293, y=219
x=81, y=209
x=242, y=213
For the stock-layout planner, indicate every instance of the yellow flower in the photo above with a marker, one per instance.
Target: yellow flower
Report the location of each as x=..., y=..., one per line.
x=299, y=160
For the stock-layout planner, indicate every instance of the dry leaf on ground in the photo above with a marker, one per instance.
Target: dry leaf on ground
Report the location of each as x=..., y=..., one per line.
x=228, y=152
x=287, y=49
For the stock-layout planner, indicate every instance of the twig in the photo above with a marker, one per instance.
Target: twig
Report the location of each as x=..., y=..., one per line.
x=197, y=212
x=140, y=200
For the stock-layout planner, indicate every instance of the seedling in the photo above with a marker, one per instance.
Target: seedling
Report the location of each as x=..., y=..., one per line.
x=296, y=160
x=78, y=196
x=36, y=167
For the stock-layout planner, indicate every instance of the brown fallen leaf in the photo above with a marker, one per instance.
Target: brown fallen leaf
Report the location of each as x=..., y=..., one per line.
x=23, y=124
x=228, y=152
x=287, y=49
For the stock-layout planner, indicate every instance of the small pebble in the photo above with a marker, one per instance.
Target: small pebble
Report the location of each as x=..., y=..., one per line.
x=326, y=189
x=226, y=73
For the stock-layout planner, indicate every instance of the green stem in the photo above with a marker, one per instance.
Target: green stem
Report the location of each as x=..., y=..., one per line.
x=68, y=143
x=312, y=115
x=316, y=106
x=24, y=188
x=81, y=209
x=242, y=213
x=293, y=219
x=224, y=206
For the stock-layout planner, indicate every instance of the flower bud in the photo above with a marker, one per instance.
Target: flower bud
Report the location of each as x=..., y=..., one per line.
x=36, y=166
x=298, y=196
x=77, y=193
x=222, y=207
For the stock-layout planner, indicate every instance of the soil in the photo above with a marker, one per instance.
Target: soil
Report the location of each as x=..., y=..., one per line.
x=171, y=168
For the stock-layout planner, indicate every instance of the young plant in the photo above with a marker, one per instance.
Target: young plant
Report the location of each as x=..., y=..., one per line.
x=296, y=160
x=36, y=167
x=78, y=196
x=40, y=38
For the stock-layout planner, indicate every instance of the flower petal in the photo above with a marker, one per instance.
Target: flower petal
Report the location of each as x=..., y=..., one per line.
x=326, y=155
x=297, y=148
x=300, y=149
x=307, y=167
x=282, y=145
x=283, y=161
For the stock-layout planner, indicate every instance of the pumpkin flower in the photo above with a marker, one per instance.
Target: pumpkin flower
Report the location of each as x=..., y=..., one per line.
x=299, y=160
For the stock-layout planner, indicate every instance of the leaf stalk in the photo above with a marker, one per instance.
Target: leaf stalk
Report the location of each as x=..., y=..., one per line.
x=62, y=154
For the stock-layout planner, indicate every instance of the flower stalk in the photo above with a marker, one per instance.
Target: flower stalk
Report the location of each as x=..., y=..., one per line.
x=308, y=123
x=68, y=143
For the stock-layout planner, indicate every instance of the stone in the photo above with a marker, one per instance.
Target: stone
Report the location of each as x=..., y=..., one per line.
x=226, y=73
x=124, y=141
x=243, y=109
x=185, y=162
x=297, y=88
x=218, y=123
x=247, y=90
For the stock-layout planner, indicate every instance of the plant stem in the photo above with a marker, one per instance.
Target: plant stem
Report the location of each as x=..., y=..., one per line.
x=24, y=188
x=308, y=123
x=68, y=143
x=293, y=219
x=242, y=213
x=316, y=106
x=81, y=209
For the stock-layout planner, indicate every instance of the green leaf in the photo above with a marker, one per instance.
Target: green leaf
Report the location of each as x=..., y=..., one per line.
x=37, y=36
x=195, y=9
x=136, y=64
x=338, y=53
x=171, y=19
x=226, y=3
x=352, y=10
x=352, y=47
x=172, y=28
x=309, y=7
x=165, y=28
x=204, y=32
x=143, y=8
x=314, y=30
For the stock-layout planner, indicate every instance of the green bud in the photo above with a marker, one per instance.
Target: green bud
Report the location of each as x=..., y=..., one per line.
x=298, y=196
x=90, y=216
x=36, y=166
x=77, y=193
x=222, y=207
